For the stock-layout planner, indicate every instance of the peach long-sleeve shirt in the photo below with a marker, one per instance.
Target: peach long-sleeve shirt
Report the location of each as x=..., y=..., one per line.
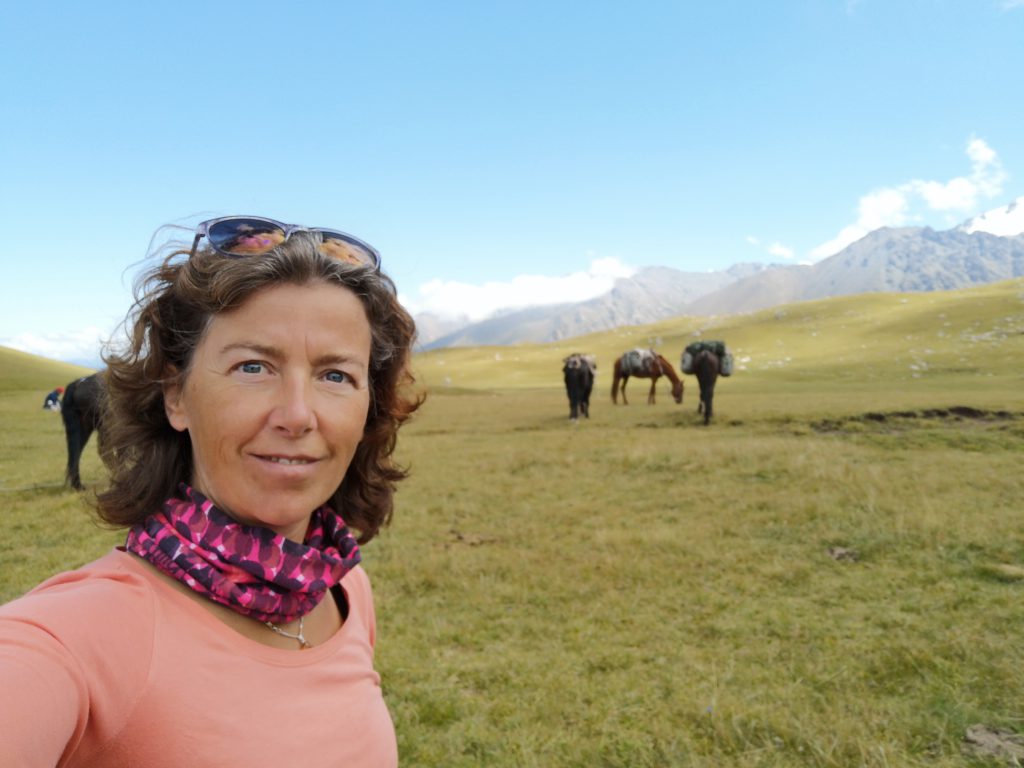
x=110, y=666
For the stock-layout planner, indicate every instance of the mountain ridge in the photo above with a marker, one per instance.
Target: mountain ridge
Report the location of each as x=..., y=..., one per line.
x=889, y=259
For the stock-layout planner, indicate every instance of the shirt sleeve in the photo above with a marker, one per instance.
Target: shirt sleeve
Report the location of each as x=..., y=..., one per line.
x=45, y=703
x=74, y=655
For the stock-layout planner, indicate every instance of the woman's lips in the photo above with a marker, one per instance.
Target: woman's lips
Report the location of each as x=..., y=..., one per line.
x=288, y=461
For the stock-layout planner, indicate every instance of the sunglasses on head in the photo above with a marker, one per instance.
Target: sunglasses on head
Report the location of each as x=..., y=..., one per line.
x=241, y=236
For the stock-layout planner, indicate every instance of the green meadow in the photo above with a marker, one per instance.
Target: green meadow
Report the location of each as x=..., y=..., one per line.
x=830, y=574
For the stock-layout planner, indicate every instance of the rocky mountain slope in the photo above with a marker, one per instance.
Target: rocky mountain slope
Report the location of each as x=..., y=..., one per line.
x=985, y=249
x=904, y=259
x=652, y=294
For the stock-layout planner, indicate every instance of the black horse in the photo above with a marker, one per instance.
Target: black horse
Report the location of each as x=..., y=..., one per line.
x=81, y=414
x=579, y=381
x=706, y=366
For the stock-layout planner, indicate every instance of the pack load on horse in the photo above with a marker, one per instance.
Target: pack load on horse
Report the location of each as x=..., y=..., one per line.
x=717, y=348
x=637, y=361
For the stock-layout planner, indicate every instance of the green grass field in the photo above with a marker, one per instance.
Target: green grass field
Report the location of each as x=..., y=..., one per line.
x=637, y=589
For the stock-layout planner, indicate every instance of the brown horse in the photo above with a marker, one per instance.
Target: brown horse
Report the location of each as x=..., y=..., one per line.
x=650, y=367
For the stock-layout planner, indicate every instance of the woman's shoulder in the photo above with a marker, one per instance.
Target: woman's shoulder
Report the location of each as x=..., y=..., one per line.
x=356, y=584
x=91, y=586
x=80, y=638
x=356, y=578
x=102, y=608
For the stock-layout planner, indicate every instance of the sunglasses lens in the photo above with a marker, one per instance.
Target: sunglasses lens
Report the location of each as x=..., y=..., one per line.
x=348, y=249
x=245, y=237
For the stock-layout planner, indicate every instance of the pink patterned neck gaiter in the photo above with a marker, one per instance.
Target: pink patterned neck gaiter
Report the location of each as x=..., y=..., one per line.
x=250, y=569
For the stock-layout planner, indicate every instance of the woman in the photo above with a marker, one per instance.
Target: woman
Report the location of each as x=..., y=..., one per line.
x=257, y=403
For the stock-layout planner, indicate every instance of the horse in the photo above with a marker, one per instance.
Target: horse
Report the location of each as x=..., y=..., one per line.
x=706, y=366
x=81, y=414
x=650, y=366
x=579, y=373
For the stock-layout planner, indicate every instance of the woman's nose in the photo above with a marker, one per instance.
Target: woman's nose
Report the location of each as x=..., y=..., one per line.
x=293, y=412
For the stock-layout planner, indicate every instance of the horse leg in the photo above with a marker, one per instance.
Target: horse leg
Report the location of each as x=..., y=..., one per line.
x=650, y=395
x=73, y=434
x=625, y=379
x=707, y=391
x=76, y=443
x=711, y=397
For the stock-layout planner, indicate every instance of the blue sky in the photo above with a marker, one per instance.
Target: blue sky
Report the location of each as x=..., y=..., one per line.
x=494, y=152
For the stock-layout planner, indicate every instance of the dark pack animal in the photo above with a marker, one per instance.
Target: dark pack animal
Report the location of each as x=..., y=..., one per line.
x=706, y=365
x=579, y=371
x=644, y=364
x=706, y=360
x=81, y=413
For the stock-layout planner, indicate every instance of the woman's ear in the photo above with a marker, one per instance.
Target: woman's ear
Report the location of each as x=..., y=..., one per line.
x=174, y=406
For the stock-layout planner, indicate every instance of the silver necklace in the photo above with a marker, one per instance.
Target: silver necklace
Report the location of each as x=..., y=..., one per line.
x=303, y=642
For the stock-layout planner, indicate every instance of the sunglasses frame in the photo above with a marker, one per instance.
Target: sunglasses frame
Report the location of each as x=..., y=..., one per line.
x=204, y=227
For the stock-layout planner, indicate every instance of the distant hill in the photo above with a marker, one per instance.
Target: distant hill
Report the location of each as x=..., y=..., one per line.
x=652, y=294
x=22, y=371
x=885, y=260
x=970, y=334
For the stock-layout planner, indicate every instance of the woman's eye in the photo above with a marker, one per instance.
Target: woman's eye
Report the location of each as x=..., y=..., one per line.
x=336, y=377
x=251, y=367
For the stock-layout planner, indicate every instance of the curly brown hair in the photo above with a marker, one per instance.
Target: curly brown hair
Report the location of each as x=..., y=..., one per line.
x=175, y=301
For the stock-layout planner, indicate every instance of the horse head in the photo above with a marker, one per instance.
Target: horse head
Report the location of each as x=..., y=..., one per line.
x=677, y=391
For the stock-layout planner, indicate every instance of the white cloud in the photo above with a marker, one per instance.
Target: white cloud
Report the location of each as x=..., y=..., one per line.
x=895, y=206
x=450, y=298
x=775, y=249
x=82, y=345
x=780, y=250
x=1011, y=4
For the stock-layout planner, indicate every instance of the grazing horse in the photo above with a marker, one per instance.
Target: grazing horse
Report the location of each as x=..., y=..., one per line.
x=579, y=373
x=81, y=414
x=651, y=366
x=706, y=366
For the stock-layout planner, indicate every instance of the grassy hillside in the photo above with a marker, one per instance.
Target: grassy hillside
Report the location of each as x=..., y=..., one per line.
x=47, y=525
x=918, y=343
x=830, y=575
x=32, y=450
x=23, y=372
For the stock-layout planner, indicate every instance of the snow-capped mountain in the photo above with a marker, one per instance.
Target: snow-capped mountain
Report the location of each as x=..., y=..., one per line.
x=1005, y=222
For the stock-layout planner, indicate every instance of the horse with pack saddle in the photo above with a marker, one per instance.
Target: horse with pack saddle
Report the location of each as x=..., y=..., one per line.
x=644, y=364
x=579, y=371
x=707, y=360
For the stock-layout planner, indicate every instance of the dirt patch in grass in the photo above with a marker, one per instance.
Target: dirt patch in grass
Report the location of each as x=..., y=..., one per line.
x=956, y=413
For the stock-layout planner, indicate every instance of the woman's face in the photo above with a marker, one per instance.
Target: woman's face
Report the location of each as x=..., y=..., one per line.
x=275, y=403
